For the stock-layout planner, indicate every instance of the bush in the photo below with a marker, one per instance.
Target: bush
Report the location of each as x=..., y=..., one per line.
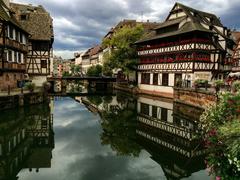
x=218, y=83
x=236, y=86
x=221, y=128
x=95, y=71
x=30, y=86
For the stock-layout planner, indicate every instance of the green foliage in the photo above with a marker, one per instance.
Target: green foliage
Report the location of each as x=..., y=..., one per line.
x=221, y=127
x=75, y=69
x=123, y=55
x=30, y=86
x=236, y=86
x=97, y=100
x=66, y=74
x=95, y=71
x=218, y=83
x=119, y=130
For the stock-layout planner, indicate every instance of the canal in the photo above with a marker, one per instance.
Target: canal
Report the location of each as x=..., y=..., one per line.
x=113, y=137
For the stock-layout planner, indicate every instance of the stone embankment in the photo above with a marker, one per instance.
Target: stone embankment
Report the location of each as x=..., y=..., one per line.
x=18, y=100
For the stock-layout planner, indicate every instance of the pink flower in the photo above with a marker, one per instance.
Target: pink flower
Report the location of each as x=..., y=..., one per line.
x=218, y=178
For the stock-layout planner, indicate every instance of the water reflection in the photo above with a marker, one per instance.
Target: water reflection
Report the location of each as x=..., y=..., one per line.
x=102, y=137
x=167, y=130
x=169, y=137
x=26, y=140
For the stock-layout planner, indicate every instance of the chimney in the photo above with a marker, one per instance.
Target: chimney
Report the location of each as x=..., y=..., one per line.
x=7, y=2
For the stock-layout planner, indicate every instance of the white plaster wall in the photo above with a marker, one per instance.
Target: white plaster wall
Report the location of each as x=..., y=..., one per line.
x=164, y=89
x=38, y=80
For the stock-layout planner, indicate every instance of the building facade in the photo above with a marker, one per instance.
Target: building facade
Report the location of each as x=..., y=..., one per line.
x=13, y=53
x=236, y=54
x=188, y=45
x=38, y=22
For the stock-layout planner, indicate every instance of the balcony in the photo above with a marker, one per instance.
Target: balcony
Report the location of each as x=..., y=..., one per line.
x=171, y=60
x=12, y=66
x=14, y=44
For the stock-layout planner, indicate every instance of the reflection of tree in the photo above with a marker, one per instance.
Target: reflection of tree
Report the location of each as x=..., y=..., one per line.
x=97, y=100
x=119, y=131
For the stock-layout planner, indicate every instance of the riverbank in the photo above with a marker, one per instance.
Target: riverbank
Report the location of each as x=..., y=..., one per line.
x=191, y=97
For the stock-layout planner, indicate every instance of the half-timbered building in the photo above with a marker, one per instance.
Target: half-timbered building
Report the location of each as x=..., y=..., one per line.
x=188, y=45
x=13, y=52
x=38, y=22
x=236, y=54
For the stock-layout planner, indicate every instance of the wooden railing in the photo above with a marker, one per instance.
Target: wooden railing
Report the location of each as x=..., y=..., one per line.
x=14, y=44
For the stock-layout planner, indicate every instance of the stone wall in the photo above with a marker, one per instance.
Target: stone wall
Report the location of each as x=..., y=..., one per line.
x=201, y=99
x=14, y=101
x=10, y=79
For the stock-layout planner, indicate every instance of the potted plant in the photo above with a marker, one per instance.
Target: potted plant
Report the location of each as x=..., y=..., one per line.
x=30, y=86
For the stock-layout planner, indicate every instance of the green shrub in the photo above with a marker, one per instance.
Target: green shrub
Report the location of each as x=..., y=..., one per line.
x=236, y=86
x=30, y=86
x=218, y=83
x=221, y=128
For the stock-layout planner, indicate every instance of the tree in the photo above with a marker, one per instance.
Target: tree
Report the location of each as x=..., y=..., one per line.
x=95, y=71
x=123, y=55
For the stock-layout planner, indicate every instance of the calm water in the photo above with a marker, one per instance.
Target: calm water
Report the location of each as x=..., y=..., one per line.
x=127, y=139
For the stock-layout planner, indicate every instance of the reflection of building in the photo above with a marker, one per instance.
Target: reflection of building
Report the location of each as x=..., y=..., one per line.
x=189, y=45
x=26, y=140
x=169, y=138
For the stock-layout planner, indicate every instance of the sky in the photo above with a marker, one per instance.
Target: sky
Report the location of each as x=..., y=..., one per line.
x=80, y=24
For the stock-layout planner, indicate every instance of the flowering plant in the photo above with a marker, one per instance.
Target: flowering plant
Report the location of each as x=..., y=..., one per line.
x=221, y=128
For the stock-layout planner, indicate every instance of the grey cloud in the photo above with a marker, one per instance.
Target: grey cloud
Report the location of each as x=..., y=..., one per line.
x=94, y=18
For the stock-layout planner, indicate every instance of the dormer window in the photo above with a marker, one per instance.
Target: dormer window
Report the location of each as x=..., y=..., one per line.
x=23, y=17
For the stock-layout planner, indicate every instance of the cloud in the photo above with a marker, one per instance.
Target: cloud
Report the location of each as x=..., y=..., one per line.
x=80, y=24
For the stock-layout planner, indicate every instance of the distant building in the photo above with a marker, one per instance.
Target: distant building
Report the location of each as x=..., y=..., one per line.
x=13, y=53
x=188, y=45
x=91, y=57
x=38, y=22
x=56, y=61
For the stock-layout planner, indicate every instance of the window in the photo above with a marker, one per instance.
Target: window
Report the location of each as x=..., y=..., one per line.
x=23, y=17
x=154, y=111
x=155, y=79
x=10, y=54
x=11, y=32
x=144, y=109
x=15, y=57
x=178, y=80
x=43, y=63
x=19, y=57
x=164, y=114
x=20, y=37
x=165, y=79
x=145, y=78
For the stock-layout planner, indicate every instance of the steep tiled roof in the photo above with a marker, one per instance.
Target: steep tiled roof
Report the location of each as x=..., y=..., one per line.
x=38, y=21
x=183, y=24
x=6, y=14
